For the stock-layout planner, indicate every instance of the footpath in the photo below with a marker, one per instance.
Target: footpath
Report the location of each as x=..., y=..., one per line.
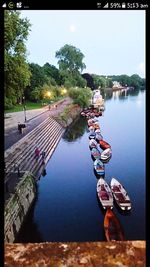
x=20, y=157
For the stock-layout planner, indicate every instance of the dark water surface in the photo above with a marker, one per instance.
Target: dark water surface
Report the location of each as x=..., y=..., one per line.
x=67, y=207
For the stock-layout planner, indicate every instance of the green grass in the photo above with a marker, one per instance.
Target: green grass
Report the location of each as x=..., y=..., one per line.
x=29, y=105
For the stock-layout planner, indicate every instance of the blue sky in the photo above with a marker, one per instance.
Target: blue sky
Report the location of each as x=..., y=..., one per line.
x=113, y=42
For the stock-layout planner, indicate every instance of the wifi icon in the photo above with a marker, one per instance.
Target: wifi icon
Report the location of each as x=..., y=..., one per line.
x=4, y=5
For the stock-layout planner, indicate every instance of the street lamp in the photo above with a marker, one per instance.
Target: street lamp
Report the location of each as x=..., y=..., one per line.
x=49, y=94
x=24, y=108
x=64, y=91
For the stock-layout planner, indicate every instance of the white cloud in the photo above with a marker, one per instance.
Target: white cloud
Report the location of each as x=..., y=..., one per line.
x=72, y=28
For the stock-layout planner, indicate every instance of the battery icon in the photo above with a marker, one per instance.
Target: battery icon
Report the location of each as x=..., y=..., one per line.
x=123, y=5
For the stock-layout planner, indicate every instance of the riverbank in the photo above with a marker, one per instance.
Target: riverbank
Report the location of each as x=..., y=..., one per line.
x=20, y=158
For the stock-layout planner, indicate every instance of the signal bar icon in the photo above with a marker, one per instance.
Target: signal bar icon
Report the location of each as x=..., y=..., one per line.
x=106, y=6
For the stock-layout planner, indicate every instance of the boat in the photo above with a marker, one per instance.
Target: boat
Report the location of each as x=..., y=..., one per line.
x=95, y=153
x=120, y=195
x=92, y=143
x=92, y=135
x=106, y=154
x=102, y=108
x=104, y=194
x=98, y=137
x=104, y=144
x=96, y=125
x=99, y=167
x=91, y=129
x=112, y=227
x=97, y=131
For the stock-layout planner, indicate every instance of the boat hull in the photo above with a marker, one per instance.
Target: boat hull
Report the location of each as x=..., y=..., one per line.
x=104, y=194
x=120, y=195
x=104, y=145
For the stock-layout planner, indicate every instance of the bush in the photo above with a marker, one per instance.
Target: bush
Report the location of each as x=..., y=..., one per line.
x=8, y=103
x=81, y=96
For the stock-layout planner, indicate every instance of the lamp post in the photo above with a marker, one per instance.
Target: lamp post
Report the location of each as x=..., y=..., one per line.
x=24, y=108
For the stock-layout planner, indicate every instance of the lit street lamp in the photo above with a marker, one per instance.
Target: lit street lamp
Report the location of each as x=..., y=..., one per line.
x=24, y=108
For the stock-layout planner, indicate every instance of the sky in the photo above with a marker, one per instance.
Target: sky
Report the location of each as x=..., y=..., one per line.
x=113, y=42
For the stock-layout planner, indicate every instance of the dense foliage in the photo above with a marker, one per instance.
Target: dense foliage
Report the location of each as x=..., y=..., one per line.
x=44, y=83
x=70, y=65
x=81, y=96
x=16, y=69
x=101, y=81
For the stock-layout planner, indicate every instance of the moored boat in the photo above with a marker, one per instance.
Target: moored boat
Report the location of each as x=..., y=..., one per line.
x=112, y=227
x=92, y=135
x=96, y=125
x=104, y=194
x=120, y=195
x=104, y=144
x=91, y=129
x=97, y=131
x=99, y=167
x=98, y=137
x=106, y=154
x=92, y=143
x=95, y=153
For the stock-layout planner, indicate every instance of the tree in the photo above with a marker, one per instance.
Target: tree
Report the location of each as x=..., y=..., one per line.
x=52, y=73
x=37, y=80
x=16, y=71
x=70, y=58
x=70, y=65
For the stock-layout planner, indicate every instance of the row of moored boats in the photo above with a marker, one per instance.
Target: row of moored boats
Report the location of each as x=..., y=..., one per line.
x=101, y=153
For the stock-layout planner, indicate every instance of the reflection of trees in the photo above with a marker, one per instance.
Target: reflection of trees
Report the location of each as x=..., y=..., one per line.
x=134, y=92
x=76, y=130
x=106, y=94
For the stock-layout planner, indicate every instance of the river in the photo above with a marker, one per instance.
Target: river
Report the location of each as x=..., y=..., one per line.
x=66, y=207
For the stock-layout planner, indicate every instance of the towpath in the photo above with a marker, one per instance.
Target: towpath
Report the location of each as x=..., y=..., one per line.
x=42, y=131
x=34, y=118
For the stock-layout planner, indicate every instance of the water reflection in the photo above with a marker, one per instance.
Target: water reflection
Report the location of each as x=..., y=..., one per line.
x=76, y=130
x=122, y=94
x=29, y=231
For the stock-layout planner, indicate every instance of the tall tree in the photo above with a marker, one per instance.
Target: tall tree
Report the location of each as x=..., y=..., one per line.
x=52, y=73
x=16, y=71
x=70, y=65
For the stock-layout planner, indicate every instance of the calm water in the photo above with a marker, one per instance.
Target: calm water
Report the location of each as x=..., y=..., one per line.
x=67, y=207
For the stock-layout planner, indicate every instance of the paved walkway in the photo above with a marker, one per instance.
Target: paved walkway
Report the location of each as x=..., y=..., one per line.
x=34, y=118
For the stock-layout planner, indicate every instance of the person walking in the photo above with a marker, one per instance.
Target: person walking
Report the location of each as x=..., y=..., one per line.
x=43, y=157
x=37, y=153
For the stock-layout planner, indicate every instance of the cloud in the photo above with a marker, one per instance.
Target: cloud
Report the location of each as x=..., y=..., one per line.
x=141, y=68
x=72, y=28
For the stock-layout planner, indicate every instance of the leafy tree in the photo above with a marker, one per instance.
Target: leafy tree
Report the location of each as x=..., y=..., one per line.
x=70, y=58
x=37, y=80
x=81, y=96
x=52, y=73
x=16, y=71
x=70, y=65
x=99, y=81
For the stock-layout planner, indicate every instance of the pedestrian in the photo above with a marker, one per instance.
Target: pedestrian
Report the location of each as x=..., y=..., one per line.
x=43, y=157
x=49, y=106
x=37, y=152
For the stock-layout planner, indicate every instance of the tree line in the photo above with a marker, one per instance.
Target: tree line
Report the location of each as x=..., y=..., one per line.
x=32, y=81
